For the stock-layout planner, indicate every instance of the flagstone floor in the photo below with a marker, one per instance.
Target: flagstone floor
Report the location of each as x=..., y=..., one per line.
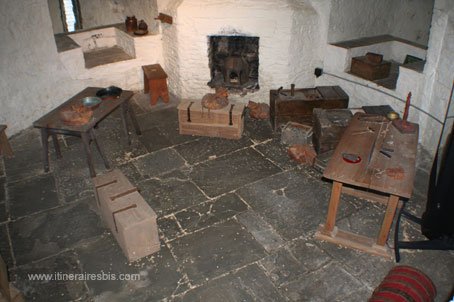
x=236, y=221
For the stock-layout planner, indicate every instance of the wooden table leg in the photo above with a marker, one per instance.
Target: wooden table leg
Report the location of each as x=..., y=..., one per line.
x=332, y=208
x=5, y=147
x=86, y=143
x=104, y=159
x=388, y=220
x=45, y=151
x=56, y=145
x=124, y=111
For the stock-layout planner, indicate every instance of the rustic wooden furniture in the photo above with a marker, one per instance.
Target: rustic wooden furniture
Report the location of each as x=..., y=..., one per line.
x=369, y=68
x=370, y=178
x=52, y=124
x=129, y=217
x=227, y=122
x=329, y=124
x=285, y=107
x=155, y=82
x=5, y=147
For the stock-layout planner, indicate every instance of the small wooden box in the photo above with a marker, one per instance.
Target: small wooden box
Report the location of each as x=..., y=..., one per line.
x=227, y=122
x=298, y=108
x=118, y=184
x=329, y=125
x=127, y=214
x=369, y=69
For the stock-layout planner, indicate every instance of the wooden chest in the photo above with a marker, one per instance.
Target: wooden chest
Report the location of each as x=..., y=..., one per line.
x=227, y=122
x=369, y=69
x=127, y=214
x=298, y=108
x=329, y=125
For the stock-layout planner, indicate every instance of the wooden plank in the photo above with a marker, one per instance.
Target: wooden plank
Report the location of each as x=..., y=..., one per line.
x=53, y=121
x=371, y=196
x=355, y=241
x=4, y=283
x=387, y=220
x=371, y=174
x=5, y=147
x=333, y=205
x=216, y=130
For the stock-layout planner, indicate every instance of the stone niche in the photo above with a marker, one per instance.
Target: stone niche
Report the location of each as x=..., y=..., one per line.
x=233, y=62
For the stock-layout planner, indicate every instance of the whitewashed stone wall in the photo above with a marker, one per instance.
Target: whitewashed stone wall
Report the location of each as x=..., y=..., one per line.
x=407, y=19
x=439, y=70
x=36, y=78
x=287, y=47
x=105, y=12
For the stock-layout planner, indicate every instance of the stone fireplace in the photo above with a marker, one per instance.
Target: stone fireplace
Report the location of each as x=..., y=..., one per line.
x=253, y=47
x=233, y=61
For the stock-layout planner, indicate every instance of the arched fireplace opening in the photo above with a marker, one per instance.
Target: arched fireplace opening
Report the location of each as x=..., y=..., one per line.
x=233, y=62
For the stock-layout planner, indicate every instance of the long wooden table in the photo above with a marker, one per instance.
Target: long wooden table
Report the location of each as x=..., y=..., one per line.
x=369, y=137
x=52, y=124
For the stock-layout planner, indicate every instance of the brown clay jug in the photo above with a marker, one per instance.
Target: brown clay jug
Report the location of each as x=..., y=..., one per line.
x=131, y=24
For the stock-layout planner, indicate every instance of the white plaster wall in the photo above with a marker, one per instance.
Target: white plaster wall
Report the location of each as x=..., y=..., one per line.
x=36, y=78
x=55, y=15
x=439, y=70
x=33, y=80
x=105, y=12
x=288, y=41
x=408, y=19
x=126, y=74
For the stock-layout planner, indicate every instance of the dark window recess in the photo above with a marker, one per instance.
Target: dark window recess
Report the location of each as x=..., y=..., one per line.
x=234, y=62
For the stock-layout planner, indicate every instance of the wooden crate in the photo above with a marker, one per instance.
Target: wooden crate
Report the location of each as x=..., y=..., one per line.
x=298, y=108
x=368, y=69
x=127, y=214
x=329, y=125
x=227, y=122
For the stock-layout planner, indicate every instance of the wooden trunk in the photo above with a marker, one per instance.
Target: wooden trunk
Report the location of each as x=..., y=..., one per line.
x=298, y=108
x=227, y=122
x=329, y=125
x=370, y=70
x=127, y=214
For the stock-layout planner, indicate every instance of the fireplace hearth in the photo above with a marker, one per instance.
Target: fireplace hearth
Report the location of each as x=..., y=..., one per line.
x=234, y=62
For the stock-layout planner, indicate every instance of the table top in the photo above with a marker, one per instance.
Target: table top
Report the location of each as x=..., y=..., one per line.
x=372, y=171
x=52, y=120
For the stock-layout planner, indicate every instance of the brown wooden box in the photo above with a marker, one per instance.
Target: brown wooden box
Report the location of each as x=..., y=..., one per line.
x=368, y=69
x=329, y=125
x=117, y=183
x=298, y=108
x=127, y=214
x=227, y=122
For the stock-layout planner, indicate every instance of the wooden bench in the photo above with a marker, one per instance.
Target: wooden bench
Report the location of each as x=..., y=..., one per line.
x=155, y=82
x=5, y=147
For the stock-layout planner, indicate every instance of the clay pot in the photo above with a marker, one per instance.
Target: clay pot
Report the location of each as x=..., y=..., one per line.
x=142, y=25
x=131, y=24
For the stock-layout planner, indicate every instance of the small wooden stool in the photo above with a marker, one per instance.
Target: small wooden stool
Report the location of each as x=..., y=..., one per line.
x=5, y=147
x=155, y=82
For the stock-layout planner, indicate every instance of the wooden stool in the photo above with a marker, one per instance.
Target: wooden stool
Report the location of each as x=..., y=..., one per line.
x=155, y=82
x=5, y=147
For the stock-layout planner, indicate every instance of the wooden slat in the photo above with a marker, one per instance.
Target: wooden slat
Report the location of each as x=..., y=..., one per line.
x=354, y=241
x=372, y=174
x=387, y=220
x=333, y=205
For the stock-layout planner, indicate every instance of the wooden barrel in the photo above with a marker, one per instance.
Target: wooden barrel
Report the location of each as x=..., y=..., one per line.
x=405, y=284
